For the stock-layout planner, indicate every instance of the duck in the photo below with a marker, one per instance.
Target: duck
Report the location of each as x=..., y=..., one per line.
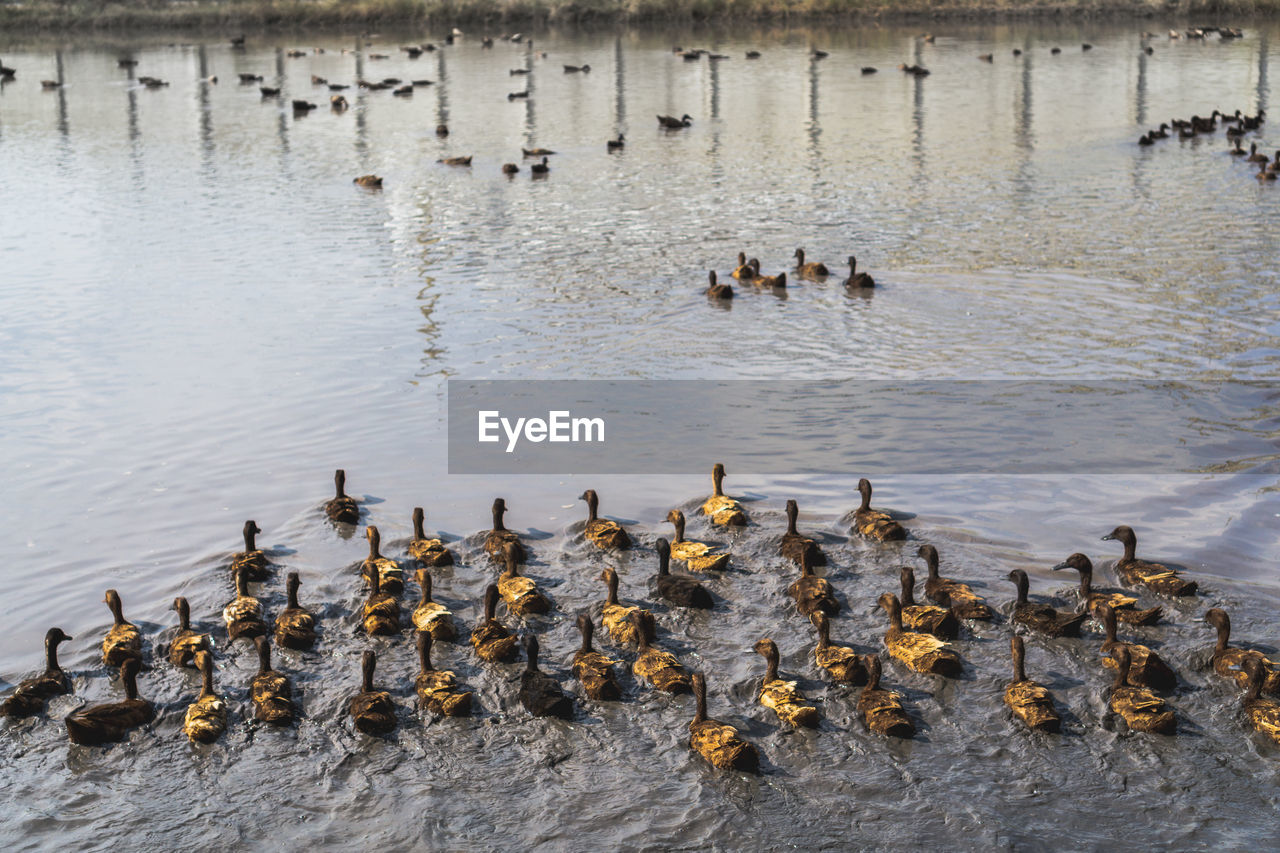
x=295, y=625
x=187, y=641
x=29, y=697
x=799, y=548
x=813, y=270
x=456, y=161
x=717, y=742
x=680, y=590
x=405, y=91
x=616, y=144
x=925, y=618
x=869, y=69
x=841, y=662
x=372, y=710
x=381, y=611
x=536, y=152
x=593, y=670
x=318, y=81
x=986, y=57
x=1041, y=617
x=779, y=280
x=661, y=669
x=780, y=696
x=252, y=558
x=112, y=722
x=1161, y=132
x=495, y=543
x=920, y=652
x=962, y=600
x=753, y=54
x=339, y=87
x=431, y=617
x=490, y=638
x=616, y=617
x=1263, y=713
x=269, y=91
x=1228, y=660
x=1154, y=576
x=672, y=123
x=1124, y=606
x=818, y=54
x=812, y=593
x=520, y=593
x=243, y=614
x=390, y=575
x=1145, y=140
x=442, y=130
x=250, y=78
x=716, y=290
x=541, y=694
x=342, y=508
x=540, y=168
x=1030, y=702
x=743, y=271
x=857, y=280
x=510, y=169
x=372, y=182
x=574, y=69
x=437, y=689
x=697, y=556
x=602, y=532
x=271, y=692
x=722, y=509
x=874, y=523
x=1142, y=710
x=300, y=106
x=1146, y=669
x=206, y=718
x=123, y=641
x=881, y=709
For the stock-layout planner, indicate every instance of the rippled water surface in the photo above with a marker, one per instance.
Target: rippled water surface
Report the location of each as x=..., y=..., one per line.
x=203, y=318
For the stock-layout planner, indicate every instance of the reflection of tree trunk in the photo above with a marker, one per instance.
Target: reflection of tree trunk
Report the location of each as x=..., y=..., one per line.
x=206, y=111
x=1263, y=51
x=64, y=125
x=1140, y=93
x=619, y=86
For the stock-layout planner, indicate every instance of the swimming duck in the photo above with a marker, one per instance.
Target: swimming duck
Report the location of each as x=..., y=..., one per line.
x=1145, y=140
x=818, y=54
x=510, y=169
x=182, y=651
x=869, y=69
x=1154, y=576
x=986, y=57
x=799, y=548
x=520, y=593
x=1142, y=710
x=616, y=144
x=442, y=130
x=243, y=614
x=1263, y=713
x=536, y=152
x=925, y=618
x=431, y=617
x=29, y=697
x=305, y=106
x=857, y=279
x=782, y=696
x=722, y=509
x=920, y=652
x=753, y=54
x=252, y=558
x=873, y=523
x=206, y=718
x=680, y=590
x=1161, y=132
x=812, y=593
x=719, y=742
x=601, y=531
x=490, y=638
x=659, y=668
x=438, y=688
x=271, y=692
x=541, y=168
x=295, y=625
x=112, y=721
x=1228, y=661
x=698, y=556
x=123, y=640
x=269, y=91
x=779, y=280
x=381, y=612
x=390, y=575
x=743, y=271
x=541, y=694
x=405, y=91
x=340, y=507
x=593, y=670
x=1042, y=617
x=672, y=123
x=456, y=161
x=1030, y=702
x=962, y=600
x=1123, y=605
x=1146, y=669
x=318, y=81
x=616, y=617
x=250, y=78
x=881, y=709
x=573, y=69
x=495, y=543
x=841, y=662
x=715, y=290
x=368, y=182
x=815, y=269
x=372, y=710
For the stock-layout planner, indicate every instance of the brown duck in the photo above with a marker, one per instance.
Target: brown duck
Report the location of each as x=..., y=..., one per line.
x=697, y=556
x=873, y=523
x=29, y=697
x=206, y=718
x=540, y=693
x=680, y=590
x=962, y=600
x=490, y=638
x=438, y=688
x=1263, y=713
x=881, y=709
x=182, y=651
x=1146, y=669
x=372, y=710
x=431, y=617
x=593, y=670
x=794, y=546
x=1041, y=617
x=243, y=614
x=659, y=668
x=810, y=270
x=252, y=557
x=495, y=543
x=390, y=575
x=1030, y=702
x=1154, y=576
x=1125, y=606
x=780, y=696
x=123, y=641
x=429, y=552
x=717, y=742
x=920, y=652
x=381, y=611
x=271, y=692
x=112, y=721
x=616, y=617
x=721, y=508
x=1229, y=661
x=812, y=593
x=602, y=532
x=841, y=662
x=925, y=618
x=295, y=625
x=341, y=508
x=1142, y=710
x=520, y=593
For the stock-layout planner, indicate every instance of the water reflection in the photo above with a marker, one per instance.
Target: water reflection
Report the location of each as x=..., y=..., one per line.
x=208, y=149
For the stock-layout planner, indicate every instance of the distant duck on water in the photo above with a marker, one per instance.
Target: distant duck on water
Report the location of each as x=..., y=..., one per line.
x=782, y=697
x=541, y=694
x=602, y=532
x=920, y=652
x=252, y=558
x=1154, y=576
x=812, y=593
x=371, y=709
x=429, y=552
x=1142, y=710
x=186, y=642
x=271, y=691
x=721, y=508
x=520, y=593
x=841, y=662
x=341, y=508
x=30, y=696
x=798, y=548
x=716, y=290
x=496, y=541
x=873, y=523
x=926, y=618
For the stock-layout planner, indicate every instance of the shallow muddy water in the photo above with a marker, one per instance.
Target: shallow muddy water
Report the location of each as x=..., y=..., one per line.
x=203, y=318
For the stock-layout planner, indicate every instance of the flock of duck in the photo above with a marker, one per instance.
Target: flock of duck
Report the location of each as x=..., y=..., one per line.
x=917, y=637
x=1237, y=125
x=748, y=272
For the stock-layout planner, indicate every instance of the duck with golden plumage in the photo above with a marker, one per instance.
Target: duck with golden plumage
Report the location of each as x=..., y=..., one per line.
x=295, y=625
x=661, y=669
x=841, y=662
x=743, y=271
x=206, y=718
x=431, y=617
x=252, y=557
x=1263, y=713
x=123, y=640
x=881, y=709
x=794, y=546
x=721, y=508
x=429, y=552
x=271, y=691
x=962, y=600
x=520, y=593
x=112, y=721
x=371, y=709
x=719, y=743
x=616, y=617
x=29, y=697
x=496, y=541
x=927, y=618
x=1154, y=576
x=602, y=532
x=390, y=574
x=1142, y=710
x=1146, y=669
x=812, y=593
x=779, y=280
x=1228, y=660
x=715, y=289
x=1042, y=618
x=873, y=523
x=593, y=670
x=243, y=614
x=680, y=590
x=541, y=694
x=1125, y=606
x=187, y=641
x=490, y=638
x=341, y=507
x=697, y=556
x=782, y=697
x=438, y=688
x=810, y=270
x=920, y=652
x=381, y=611
x=1030, y=702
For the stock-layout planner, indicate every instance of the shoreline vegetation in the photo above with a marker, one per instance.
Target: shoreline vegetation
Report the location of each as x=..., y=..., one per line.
x=251, y=15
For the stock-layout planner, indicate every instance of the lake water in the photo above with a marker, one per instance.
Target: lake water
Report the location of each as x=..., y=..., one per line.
x=203, y=318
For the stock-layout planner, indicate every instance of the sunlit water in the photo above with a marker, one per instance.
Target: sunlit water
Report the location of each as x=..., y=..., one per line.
x=203, y=318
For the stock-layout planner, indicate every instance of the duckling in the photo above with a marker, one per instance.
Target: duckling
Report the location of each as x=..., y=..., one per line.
x=1263, y=713
x=372, y=182
x=719, y=742
x=779, y=280
x=925, y=618
x=1142, y=710
x=541, y=694
x=698, y=556
x=659, y=668
x=1146, y=669
x=722, y=509
x=520, y=593
x=206, y=718
x=920, y=652
x=1155, y=577
x=593, y=670
x=1229, y=661
x=490, y=638
x=1030, y=702
x=431, y=617
x=782, y=696
x=510, y=169
x=456, y=161
x=540, y=168
x=715, y=290
x=112, y=721
x=123, y=641
x=243, y=614
x=601, y=531
x=372, y=710
x=341, y=508
x=841, y=662
x=1123, y=605
x=495, y=543
x=812, y=593
x=390, y=575
x=680, y=590
x=438, y=688
x=536, y=152
x=672, y=123
x=616, y=617
x=295, y=625
x=1042, y=617
x=857, y=280
x=796, y=547
x=874, y=523
x=182, y=651
x=813, y=270
x=29, y=697
x=616, y=144
x=381, y=612
x=962, y=600
x=271, y=692
x=881, y=710
x=252, y=558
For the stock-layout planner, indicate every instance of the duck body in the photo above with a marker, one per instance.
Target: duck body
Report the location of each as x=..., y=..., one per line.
x=428, y=552
x=841, y=662
x=437, y=689
x=381, y=611
x=431, y=617
x=717, y=290
x=112, y=722
x=678, y=589
x=1154, y=576
x=950, y=593
x=810, y=270
x=1233, y=662
x=618, y=620
x=30, y=696
x=123, y=641
x=697, y=556
x=341, y=508
x=295, y=625
x=673, y=123
x=920, y=652
x=1030, y=702
x=390, y=575
x=1146, y=669
x=252, y=558
x=490, y=638
x=743, y=272
x=812, y=593
x=243, y=614
x=717, y=742
x=593, y=670
x=781, y=696
x=858, y=280
x=372, y=711
x=661, y=669
x=1042, y=618
x=497, y=539
x=1264, y=714
x=520, y=593
x=602, y=532
x=1142, y=710
x=925, y=618
x=206, y=718
x=720, y=508
x=797, y=548
x=881, y=709
x=873, y=523
x=270, y=691
x=541, y=694
x=186, y=642
x=1124, y=606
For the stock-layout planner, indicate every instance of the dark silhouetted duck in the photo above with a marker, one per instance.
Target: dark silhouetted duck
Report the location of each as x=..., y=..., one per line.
x=920, y=652
x=1124, y=605
x=857, y=280
x=616, y=144
x=926, y=618
x=429, y=552
x=869, y=69
x=672, y=123
x=520, y=593
x=717, y=742
x=601, y=531
x=574, y=69
x=206, y=718
x=271, y=692
x=659, y=668
x=962, y=600
x=841, y=662
x=881, y=709
x=381, y=612
x=437, y=689
x=796, y=547
x=1263, y=713
x=818, y=54
x=495, y=543
x=540, y=168
x=1030, y=702
x=112, y=721
x=442, y=130
x=186, y=642
x=490, y=638
x=1154, y=576
x=593, y=670
x=1146, y=669
x=269, y=91
x=250, y=78
x=715, y=290
x=721, y=508
x=779, y=280
x=743, y=271
x=456, y=161
x=536, y=152
x=243, y=614
x=753, y=54
x=340, y=507
x=1228, y=660
x=1041, y=617
x=372, y=710
x=123, y=641
x=780, y=696
x=1142, y=710
x=372, y=182
x=541, y=694
x=810, y=270
x=431, y=617
x=390, y=575
x=295, y=625
x=698, y=556
x=252, y=558
x=678, y=589
x=812, y=593
x=510, y=169
x=29, y=697
x=616, y=617
x=300, y=106
x=873, y=523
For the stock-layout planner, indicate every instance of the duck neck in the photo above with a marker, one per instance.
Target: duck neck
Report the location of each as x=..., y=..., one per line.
x=853, y=270
x=130, y=678
x=531, y=653
x=872, y=666
x=490, y=604
x=375, y=542
x=678, y=523
x=250, y=534
x=717, y=482
x=1256, y=676
x=339, y=483
x=642, y=636
x=206, y=677
x=664, y=563
x=806, y=570
x=424, y=652
x=375, y=581
x=1086, y=584
x=931, y=559
x=865, y=491
x=700, y=694
x=1023, y=585
x=264, y=655
x=1122, y=672
x=611, y=581
x=117, y=609
x=513, y=569
x=1019, y=667
x=367, y=665
x=824, y=633
x=792, y=513
x=587, y=629
x=1224, y=635
x=1109, y=625
x=424, y=581
x=498, y=510
x=593, y=504
x=242, y=583
x=908, y=590
x=895, y=615
x=292, y=592
x=1130, y=549
x=417, y=524
x=51, y=654
x=771, y=670
x=184, y=615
